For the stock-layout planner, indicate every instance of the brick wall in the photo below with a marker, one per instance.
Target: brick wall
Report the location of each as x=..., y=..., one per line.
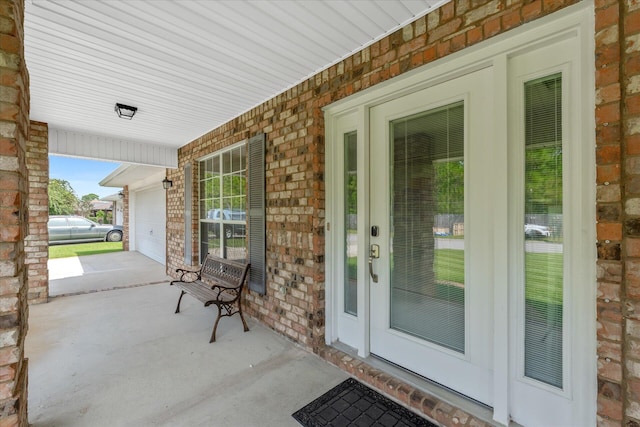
x=618, y=210
x=175, y=218
x=14, y=130
x=125, y=218
x=293, y=122
x=37, y=242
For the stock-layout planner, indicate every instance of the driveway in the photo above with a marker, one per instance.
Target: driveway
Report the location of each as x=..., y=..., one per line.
x=538, y=246
x=114, y=270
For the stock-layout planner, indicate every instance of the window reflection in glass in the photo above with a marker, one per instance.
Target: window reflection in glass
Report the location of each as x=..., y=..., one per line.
x=351, y=223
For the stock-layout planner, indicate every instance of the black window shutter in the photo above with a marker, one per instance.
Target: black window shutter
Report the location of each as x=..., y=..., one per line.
x=257, y=229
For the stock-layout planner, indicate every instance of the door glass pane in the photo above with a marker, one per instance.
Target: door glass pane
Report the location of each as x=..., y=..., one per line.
x=543, y=230
x=427, y=223
x=351, y=224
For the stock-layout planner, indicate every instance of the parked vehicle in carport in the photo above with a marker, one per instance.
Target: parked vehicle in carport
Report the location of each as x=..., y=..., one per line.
x=76, y=229
x=230, y=215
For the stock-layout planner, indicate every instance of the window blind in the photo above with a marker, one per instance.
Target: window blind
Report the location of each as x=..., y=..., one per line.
x=427, y=223
x=543, y=251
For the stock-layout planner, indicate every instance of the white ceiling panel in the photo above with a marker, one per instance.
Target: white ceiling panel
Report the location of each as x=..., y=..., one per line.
x=188, y=66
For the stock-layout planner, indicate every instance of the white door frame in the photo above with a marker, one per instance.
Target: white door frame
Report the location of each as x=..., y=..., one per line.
x=575, y=22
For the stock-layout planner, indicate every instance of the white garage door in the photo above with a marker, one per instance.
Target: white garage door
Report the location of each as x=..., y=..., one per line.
x=150, y=223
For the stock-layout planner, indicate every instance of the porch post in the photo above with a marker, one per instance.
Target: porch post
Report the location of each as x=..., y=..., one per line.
x=14, y=129
x=37, y=241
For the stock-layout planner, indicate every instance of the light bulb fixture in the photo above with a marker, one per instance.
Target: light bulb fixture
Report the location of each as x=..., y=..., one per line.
x=125, y=111
x=121, y=194
x=167, y=183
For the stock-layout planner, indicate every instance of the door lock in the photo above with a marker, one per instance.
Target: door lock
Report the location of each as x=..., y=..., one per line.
x=375, y=251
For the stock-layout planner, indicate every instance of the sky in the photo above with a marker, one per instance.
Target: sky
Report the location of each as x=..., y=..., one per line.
x=83, y=175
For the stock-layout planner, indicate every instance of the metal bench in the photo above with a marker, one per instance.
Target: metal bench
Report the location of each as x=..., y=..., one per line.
x=220, y=282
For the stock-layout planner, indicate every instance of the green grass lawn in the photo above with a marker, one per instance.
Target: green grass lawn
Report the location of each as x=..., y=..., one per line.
x=449, y=265
x=543, y=274
x=80, y=249
x=541, y=271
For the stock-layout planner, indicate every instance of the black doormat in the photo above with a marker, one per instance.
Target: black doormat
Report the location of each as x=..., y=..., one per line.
x=351, y=403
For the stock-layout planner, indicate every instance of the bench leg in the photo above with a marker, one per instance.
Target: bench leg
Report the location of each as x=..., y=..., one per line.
x=215, y=325
x=180, y=299
x=246, y=328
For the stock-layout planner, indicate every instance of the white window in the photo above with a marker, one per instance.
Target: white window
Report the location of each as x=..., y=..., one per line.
x=223, y=204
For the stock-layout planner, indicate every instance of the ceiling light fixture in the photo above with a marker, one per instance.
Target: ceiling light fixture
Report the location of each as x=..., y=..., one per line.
x=125, y=111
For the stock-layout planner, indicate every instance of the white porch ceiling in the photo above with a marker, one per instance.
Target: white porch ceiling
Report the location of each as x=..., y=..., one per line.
x=188, y=66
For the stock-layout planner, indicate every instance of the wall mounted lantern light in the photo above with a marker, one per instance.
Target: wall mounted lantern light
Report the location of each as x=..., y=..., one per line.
x=167, y=183
x=125, y=111
x=121, y=194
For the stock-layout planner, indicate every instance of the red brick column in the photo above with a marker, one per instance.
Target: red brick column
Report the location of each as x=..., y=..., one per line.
x=609, y=214
x=37, y=242
x=629, y=24
x=125, y=219
x=618, y=210
x=14, y=128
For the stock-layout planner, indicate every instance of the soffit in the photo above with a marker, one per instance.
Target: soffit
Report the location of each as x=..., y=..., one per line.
x=135, y=176
x=188, y=66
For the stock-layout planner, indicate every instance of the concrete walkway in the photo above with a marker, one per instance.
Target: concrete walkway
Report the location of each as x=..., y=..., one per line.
x=90, y=273
x=123, y=358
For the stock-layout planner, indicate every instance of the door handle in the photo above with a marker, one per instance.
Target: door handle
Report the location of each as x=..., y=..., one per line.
x=374, y=252
x=374, y=276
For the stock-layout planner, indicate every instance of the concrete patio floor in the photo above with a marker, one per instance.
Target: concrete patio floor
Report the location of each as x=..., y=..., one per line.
x=123, y=358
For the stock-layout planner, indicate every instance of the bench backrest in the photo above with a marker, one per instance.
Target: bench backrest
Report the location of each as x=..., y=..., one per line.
x=228, y=273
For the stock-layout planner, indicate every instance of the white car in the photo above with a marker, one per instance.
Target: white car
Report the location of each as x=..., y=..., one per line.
x=229, y=215
x=534, y=231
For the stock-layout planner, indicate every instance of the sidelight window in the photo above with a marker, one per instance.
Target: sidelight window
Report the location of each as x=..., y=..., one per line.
x=543, y=250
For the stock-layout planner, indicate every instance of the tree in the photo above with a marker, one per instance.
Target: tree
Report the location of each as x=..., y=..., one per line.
x=84, y=204
x=62, y=198
x=100, y=215
x=543, y=179
x=449, y=186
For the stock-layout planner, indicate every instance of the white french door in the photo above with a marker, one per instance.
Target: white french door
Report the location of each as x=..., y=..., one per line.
x=431, y=304
x=460, y=224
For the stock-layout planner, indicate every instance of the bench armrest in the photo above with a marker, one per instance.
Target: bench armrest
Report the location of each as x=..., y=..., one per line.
x=188, y=275
x=235, y=290
x=224, y=287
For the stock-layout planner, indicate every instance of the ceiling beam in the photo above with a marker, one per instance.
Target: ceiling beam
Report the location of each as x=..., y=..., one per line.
x=99, y=147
